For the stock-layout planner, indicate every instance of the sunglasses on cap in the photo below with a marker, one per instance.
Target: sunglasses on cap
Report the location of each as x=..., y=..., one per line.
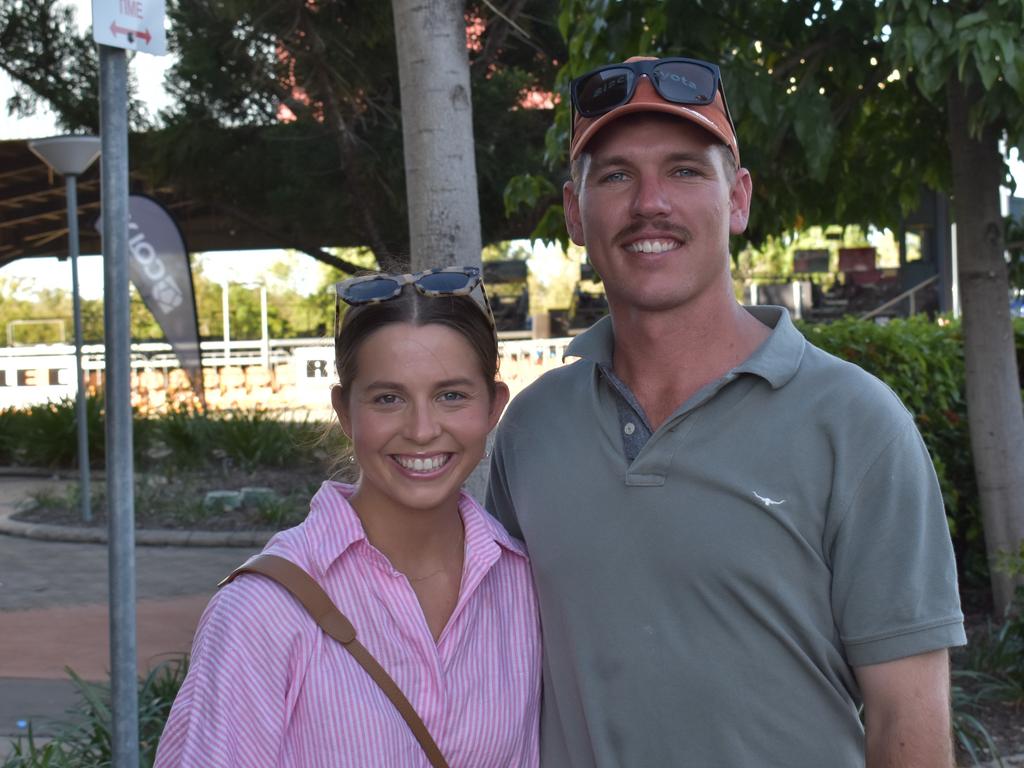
x=444, y=281
x=677, y=80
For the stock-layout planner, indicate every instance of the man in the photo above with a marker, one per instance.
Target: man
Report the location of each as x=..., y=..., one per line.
x=736, y=538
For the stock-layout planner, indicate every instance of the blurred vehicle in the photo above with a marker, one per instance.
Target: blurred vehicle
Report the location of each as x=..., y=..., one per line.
x=508, y=293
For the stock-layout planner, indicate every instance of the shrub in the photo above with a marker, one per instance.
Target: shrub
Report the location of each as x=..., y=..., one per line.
x=86, y=740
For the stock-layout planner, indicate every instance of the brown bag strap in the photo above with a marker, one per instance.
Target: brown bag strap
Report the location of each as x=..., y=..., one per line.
x=334, y=623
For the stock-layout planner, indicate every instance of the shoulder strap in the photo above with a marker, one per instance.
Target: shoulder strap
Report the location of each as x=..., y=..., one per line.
x=334, y=623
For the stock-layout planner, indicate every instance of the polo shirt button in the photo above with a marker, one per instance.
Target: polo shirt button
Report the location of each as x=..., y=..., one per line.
x=630, y=428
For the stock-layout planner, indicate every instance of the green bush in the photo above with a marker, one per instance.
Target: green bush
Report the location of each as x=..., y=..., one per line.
x=923, y=362
x=46, y=436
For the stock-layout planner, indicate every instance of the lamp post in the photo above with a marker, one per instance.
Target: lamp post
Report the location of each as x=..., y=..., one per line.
x=70, y=156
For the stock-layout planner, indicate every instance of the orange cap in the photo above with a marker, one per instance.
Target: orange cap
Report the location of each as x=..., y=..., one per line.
x=711, y=117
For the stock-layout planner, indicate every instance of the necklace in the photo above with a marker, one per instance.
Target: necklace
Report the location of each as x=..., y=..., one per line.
x=442, y=569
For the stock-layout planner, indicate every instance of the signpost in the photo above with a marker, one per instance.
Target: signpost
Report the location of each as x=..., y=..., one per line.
x=137, y=25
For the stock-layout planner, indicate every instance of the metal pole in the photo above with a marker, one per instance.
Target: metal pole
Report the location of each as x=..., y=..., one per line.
x=80, y=403
x=225, y=310
x=265, y=337
x=114, y=181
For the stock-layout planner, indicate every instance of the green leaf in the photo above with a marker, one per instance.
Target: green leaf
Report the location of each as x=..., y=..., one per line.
x=920, y=39
x=962, y=54
x=942, y=22
x=565, y=21
x=525, y=190
x=988, y=70
x=971, y=20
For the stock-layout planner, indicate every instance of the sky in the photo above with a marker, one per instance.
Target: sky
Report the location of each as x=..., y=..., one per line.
x=231, y=266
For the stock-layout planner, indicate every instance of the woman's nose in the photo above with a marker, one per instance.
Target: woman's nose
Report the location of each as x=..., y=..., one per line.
x=423, y=424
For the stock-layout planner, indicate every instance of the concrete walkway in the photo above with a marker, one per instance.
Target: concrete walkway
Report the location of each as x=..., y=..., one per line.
x=53, y=608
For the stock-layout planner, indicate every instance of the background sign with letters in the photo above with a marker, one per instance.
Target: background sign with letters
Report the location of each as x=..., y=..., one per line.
x=137, y=25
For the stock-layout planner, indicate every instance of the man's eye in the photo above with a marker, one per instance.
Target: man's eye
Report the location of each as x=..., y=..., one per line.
x=685, y=172
x=615, y=176
x=452, y=397
x=387, y=399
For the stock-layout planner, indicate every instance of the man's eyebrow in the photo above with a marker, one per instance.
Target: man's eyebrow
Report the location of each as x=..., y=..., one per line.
x=677, y=157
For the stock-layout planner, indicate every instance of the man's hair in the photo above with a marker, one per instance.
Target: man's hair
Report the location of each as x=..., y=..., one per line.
x=578, y=167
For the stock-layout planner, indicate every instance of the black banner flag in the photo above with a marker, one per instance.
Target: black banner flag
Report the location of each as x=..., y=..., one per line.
x=158, y=266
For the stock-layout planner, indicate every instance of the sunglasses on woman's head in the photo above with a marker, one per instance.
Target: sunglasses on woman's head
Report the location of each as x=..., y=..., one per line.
x=444, y=281
x=677, y=80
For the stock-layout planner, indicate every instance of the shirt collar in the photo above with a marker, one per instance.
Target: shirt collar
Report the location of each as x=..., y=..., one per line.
x=776, y=360
x=333, y=526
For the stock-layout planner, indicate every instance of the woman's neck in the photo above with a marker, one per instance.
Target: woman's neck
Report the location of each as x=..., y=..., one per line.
x=416, y=541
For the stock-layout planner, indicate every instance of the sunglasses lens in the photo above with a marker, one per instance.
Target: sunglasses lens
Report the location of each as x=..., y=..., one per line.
x=371, y=290
x=685, y=82
x=604, y=90
x=444, y=282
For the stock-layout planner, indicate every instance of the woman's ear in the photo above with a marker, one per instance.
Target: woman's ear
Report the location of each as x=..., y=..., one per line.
x=339, y=400
x=498, y=403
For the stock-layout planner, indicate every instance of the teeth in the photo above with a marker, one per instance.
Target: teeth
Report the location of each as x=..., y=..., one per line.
x=651, y=246
x=423, y=465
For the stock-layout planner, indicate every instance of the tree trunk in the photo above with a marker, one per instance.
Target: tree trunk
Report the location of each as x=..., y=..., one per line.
x=993, y=390
x=437, y=131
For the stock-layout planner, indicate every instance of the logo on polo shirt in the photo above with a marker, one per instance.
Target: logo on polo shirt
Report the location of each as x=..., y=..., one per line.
x=768, y=502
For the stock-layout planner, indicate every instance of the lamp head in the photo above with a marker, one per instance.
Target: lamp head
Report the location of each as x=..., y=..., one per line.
x=67, y=155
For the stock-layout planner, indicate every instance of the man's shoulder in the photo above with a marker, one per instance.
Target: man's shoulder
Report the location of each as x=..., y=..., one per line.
x=552, y=387
x=851, y=389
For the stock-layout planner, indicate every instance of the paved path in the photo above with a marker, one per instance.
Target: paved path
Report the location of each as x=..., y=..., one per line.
x=53, y=612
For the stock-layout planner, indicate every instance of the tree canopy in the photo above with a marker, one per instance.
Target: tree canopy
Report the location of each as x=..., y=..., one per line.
x=287, y=111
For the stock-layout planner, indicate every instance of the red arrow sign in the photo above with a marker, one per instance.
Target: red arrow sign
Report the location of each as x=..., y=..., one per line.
x=142, y=34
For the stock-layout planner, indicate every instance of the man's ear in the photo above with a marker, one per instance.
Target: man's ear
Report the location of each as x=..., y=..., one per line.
x=571, y=204
x=739, y=201
x=340, y=402
x=498, y=403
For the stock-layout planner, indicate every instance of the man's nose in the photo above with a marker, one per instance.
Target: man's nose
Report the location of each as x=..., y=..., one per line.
x=650, y=197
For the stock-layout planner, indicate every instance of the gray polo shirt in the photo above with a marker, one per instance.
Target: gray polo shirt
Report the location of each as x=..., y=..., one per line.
x=703, y=602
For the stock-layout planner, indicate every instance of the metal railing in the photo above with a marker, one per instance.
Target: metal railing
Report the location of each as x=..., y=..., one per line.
x=908, y=294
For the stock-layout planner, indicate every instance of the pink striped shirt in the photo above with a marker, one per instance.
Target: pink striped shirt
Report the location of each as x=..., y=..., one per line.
x=267, y=687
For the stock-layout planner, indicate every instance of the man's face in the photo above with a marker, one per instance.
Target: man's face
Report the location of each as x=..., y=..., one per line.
x=655, y=206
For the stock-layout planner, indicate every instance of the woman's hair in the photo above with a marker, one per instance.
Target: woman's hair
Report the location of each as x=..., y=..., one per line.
x=460, y=313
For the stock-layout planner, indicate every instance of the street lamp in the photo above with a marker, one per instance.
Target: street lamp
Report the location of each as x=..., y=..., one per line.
x=70, y=156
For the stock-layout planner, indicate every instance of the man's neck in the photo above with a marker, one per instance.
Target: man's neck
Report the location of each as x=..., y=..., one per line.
x=666, y=357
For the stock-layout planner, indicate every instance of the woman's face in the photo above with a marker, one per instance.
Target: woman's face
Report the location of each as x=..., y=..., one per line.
x=417, y=413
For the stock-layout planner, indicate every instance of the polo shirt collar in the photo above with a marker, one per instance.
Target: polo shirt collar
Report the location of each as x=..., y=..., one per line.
x=776, y=360
x=333, y=526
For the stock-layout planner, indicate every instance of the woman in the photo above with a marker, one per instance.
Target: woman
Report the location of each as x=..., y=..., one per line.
x=436, y=589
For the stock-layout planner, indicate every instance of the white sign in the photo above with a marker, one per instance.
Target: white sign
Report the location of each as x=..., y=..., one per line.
x=137, y=25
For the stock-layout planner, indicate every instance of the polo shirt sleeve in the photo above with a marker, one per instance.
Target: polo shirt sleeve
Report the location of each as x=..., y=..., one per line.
x=233, y=706
x=499, y=497
x=894, y=588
